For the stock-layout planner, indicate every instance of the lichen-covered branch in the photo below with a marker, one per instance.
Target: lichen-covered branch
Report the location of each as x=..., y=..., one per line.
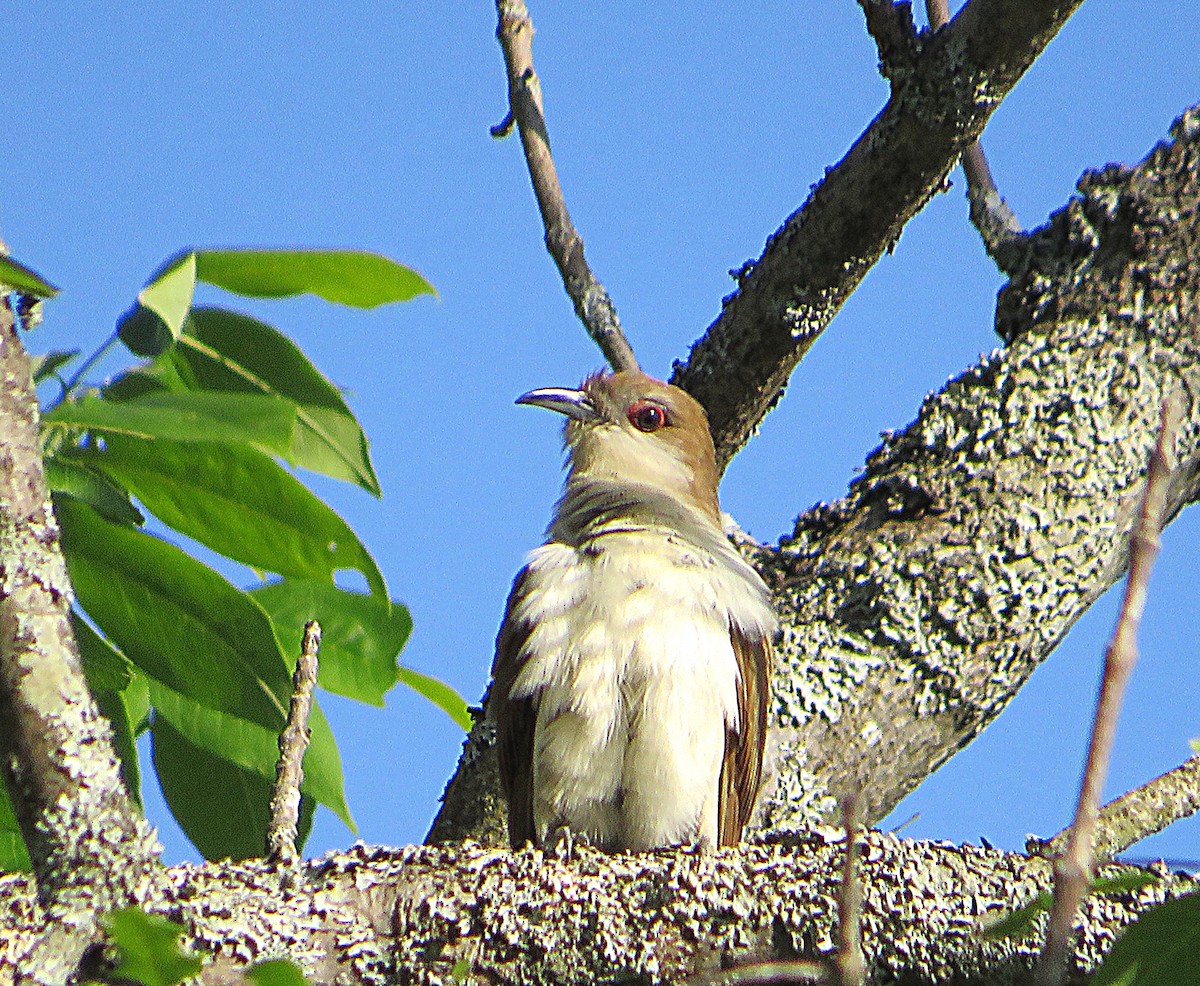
x=916, y=607
x=1138, y=814
x=91, y=849
x=441, y=915
x=941, y=99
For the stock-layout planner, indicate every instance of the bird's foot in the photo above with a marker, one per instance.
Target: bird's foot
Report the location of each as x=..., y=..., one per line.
x=562, y=841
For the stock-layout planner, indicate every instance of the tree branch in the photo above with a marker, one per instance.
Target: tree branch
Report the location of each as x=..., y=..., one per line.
x=91, y=850
x=998, y=227
x=436, y=915
x=592, y=303
x=1138, y=814
x=811, y=265
x=1073, y=869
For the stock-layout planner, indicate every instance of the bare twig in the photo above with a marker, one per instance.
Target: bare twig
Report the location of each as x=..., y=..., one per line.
x=592, y=303
x=990, y=213
x=848, y=966
x=293, y=741
x=1140, y=813
x=1073, y=870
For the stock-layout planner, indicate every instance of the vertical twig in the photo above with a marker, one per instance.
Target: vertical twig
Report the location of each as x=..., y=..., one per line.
x=293, y=741
x=849, y=967
x=1073, y=870
x=592, y=302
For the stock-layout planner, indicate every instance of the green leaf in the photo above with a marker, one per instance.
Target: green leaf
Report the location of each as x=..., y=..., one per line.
x=75, y=479
x=148, y=949
x=251, y=747
x=1018, y=923
x=48, y=364
x=440, y=694
x=348, y=277
x=209, y=651
x=361, y=636
x=13, y=856
x=17, y=276
x=240, y=503
x=223, y=808
x=176, y=619
x=249, y=419
x=224, y=351
x=1159, y=949
x=122, y=695
x=276, y=972
x=154, y=323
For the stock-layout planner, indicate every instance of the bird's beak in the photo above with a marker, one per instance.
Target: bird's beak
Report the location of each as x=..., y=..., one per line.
x=573, y=403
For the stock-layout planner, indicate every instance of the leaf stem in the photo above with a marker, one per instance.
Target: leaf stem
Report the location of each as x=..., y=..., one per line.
x=87, y=364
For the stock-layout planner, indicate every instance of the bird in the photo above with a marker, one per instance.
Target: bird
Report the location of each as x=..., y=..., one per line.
x=630, y=682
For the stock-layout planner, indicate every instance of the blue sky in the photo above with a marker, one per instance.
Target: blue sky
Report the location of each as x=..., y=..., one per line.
x=684, y=134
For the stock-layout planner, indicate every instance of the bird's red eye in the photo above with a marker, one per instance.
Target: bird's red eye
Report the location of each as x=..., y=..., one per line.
x=646, y=415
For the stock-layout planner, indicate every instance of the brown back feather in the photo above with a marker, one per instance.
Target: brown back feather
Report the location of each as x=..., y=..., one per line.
x=741, y=772
x=515, y=720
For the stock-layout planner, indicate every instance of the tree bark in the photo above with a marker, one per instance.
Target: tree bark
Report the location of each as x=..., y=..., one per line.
x=468, y=914
x=91, y=850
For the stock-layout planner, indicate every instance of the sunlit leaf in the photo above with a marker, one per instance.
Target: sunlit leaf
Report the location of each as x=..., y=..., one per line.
x=348, y=277
x=13, y=855
x=17, y=276
x=240, y=503
x=76, y=479
x=48, y=364
x=1162, y=948
x=361, y=636
x=252, y=419
x=440, y=694
x=223, y=808
x=156, y=320
x=226, y=351
x=147, y=947
x=276, y=972
x=254, y=748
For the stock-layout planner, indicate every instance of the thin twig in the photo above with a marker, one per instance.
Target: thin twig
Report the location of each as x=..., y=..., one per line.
x=990, y=213
x=293, y=741
x=1136, y=815
x=849, y=967
x=592, y=303
x=1073, y=870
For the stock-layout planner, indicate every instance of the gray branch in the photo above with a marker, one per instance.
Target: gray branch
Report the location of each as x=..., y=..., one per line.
x=944, y=89
x=468, y=914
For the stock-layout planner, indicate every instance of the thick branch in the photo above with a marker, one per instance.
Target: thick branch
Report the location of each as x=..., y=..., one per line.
x=90, y=848
x=592, y=303
x=438, y=915
x=812, y=264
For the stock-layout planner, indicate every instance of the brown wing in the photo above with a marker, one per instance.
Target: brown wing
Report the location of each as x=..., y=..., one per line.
x=515, y=720
x=741, y=771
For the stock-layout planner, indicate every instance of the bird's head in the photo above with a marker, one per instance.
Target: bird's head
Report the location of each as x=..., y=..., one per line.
x=631, y=428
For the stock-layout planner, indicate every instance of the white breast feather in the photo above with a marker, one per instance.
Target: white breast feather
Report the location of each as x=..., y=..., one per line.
x=631, y=722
